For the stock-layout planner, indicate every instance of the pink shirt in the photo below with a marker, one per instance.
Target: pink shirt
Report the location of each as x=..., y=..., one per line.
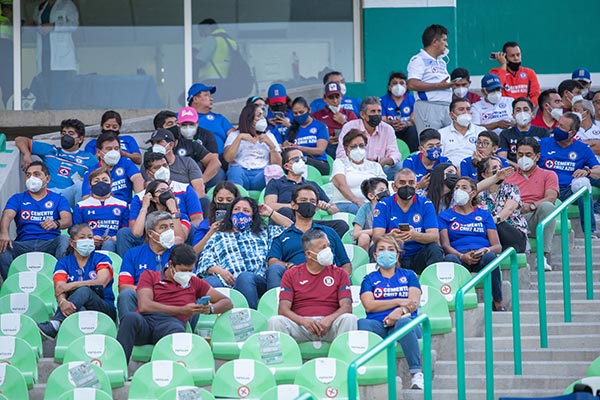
x=533, y=188
x=381, y=144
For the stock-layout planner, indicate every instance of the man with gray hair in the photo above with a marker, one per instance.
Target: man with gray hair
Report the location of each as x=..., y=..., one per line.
x=152, y=255
x=315, y=302
x=381, y=138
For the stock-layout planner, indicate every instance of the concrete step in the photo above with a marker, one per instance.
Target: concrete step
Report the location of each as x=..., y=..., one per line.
x=477, y=380
x=555, y=293
x=572, y=353
x=480, y=394
x=533, y=329
x=558, y=306
x=530, y=368
x=529, y=342
x=553, y=317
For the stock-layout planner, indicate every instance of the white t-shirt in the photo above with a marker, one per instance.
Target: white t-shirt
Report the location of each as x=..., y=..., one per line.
x=457, y=147
x=429, y=70
x=252, y=155
x=355, y=175
x=487, y=113
x=593, y=133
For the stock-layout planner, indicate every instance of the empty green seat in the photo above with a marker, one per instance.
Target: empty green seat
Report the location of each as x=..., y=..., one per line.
x=20, y=325
x=12, y=382
x=232, y=328
x=357, y=306
x=448, y=278
x=361, y=271
x=86, y=394
x=24, y=303
x=268, y=305
x=179, y=392
x=347, y=238
x=35, y=261
x=358, y=256
x=350, y=345
x=116, y=261
x=16, y=352
x=316, y=349
x=326, y=377
x=206, y=322
x=403, y=148
x=33, y=283
x=521, y=261
x=62, y=379
x=285, y=392
x=247, y=379
x=346, y=217
x=144, y=353
x=313, y=174
x=436, y=307
x=155, y=378
x=80, y=324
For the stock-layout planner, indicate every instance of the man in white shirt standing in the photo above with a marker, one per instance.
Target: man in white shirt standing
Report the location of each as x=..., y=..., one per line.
x=428, y=76
x=493, y=111
x=459, y=138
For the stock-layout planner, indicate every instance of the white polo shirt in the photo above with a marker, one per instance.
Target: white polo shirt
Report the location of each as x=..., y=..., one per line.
x=429, y=70
x=488, y=113
x=593, y=133
x=457, y=147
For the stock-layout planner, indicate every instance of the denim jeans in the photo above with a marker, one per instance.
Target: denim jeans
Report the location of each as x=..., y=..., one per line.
x=485, y=260
x=347, y=206
x=85, y=299
x=251, y=285
x=565, y=192
x=110, y=245
x=274, y=275
x=126, y=240
x=126, y=302
x=57, y=247
x=250, y=179
x=430, y=254
x=390, y=170
x=72, y=193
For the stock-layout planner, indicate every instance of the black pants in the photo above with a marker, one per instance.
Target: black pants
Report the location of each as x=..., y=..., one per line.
x=430, y=254
x=341, y=227
x=410, y=137
x=511, y=237
x=322, y=166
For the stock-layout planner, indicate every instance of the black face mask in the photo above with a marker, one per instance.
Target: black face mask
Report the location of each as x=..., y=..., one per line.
x=67, y=142
x=513, y=66
x=278, y=107
x=307, y=210
x=406, y=192
x=374, y=120
x=101, y=189
x=382, y=195
x=175, y=131
x=450, y=181
x=116, y=133
x=164, y=197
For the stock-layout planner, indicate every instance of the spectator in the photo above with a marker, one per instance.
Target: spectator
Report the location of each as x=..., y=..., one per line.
x=410, y=218
x=260, y=103
x=82, y=281
x=517, y=81
x=39, y=216
x=539, y=191
x=111, y=122
x=236, y=255
x=569, y=90
x=381, y=140
x=347, y=103
x=441, y=185
x=492, y=112
x=583, y=76
x=596, y=104
x=249, y=151
x=462, y=83
x=168, y=120
x=459, y=138
x=428, y=76
x=374, y=190
x=397, y=108
x=167, y=300
x=67, y=164
x=315, y=302
x=349, y=172
x=285, y=251
x=308, y=135
x=124, y=174
x=486, y=146
x=469, y=237
x=428, y=157
x=589, y=132
x=102, y=212
x=391, y=296
x=522, y=113
x=279, y=113
x=550, y=110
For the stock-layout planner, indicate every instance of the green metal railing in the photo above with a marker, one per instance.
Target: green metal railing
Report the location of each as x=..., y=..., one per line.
x=305, y=396
x=389, y=344
x=566, y=266
x=486, y=276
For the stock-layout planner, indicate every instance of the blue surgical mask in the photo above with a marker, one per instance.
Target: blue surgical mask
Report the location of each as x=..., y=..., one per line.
x=560, y=135
x=301, y=119
x=434, y=153
x=241, y=221
x=387, y=259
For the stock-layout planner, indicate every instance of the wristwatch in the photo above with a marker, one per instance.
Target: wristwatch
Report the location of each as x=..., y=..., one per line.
x=176, y=215
x=497, y=219
x=532, y=206
x=211, y=309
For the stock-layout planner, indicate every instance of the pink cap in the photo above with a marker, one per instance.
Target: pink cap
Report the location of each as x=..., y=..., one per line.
x=187, y=114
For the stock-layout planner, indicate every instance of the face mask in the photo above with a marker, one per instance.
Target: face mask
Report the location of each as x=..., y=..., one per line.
x=343, y=89
x=301, y=119
x=307, y=210
x=523, y=118
x=299, y=167
x=585, y=92
x=112, y=157
x=163, y=173
x=513, y=66
x=386, y=259
x=434, y=153
x=164, y=197
x=357, y=154
x=241, y=221
x=325, y=257
x=183, y=278
x=67, y=142
x=374, y=120
x=556, y=113
x=525, y=163
x=450, y=180
x=382, y=195
x=261, y=125
x=560, y=135
x=101, y=189
x=398, y=90
x=159, y=148
x=334, y=109
x=460, y=197
x=494, y=97
x=85, y=247
x=461, y=91
x=34, y=184
x=579, y=115
x=279, y=107
x=464, y=120
x=188, y=131
x=167, y=238
x=406, y=192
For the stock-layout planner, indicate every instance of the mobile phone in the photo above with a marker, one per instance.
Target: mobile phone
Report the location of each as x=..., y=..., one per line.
x=278, y=114
x=220, y=215
x=404, y=227
x=106, y=233
x=336, y=132
x=204, y=300
x=478, y=253
x=492, y=56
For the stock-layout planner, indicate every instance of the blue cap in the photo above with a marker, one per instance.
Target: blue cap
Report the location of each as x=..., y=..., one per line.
x=277, y=93
x=582, y=74
x=197, y=88
x=490, y=82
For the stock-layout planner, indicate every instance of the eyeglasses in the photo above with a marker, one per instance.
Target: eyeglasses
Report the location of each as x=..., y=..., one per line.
x=596, y=102
x=333, y=96
x=357, y=146
x=298, y=158
x=483, y=144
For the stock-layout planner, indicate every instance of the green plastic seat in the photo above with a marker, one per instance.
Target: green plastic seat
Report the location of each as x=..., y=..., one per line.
x=116, y=261
x=61, y=380
x=232, y=328
x=350, y=345
x=347, y=238
x=268, y=305
x=436, y=307
x=179, y=392
x=361, y=271
x=326, y=377
x=144, y=353
x=594, y=368
x=12, y=382
x=255, y=194
x=103, y=351
x=24, y=303
x=285, y=392
x=358, y=256
x=313, y=174
x=34, y=261
x=261, y=197
x=206, y=322
x=312, y=350
x=448, y=278
x=247, y=379
x=573, y=211
x=403, y=148
x=592, y=381
x=344, y=216
x=189, y=350
x=243, y=191
x=521, y=261
x=86, y=394
x=155, y=378
x=278, y=351
x=17, y=352
x=80, y=324
x=357, y=306
x=34, y=283
x=24, y=327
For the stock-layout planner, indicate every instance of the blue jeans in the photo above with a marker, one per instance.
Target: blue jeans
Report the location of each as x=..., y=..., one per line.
x=57, y=247
x=250, y=179
x=390, y=170
x=274, y=275
x=409, y=343
x=72, y=193
x=110, y=245
x=348, y=207
x=565, y=192
x=126, y=240
x=485, y=260
x=126, y=302
x=85, y=299
x=251, y=285
x=219, y=177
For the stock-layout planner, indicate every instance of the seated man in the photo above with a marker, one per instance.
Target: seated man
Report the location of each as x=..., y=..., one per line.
x=583, y=76
x=568, y=90
x=459, y=138
x=486, y=146
x=315, y=302
x=462, y=83
x=347, y=103
x=67, y=164
x=167, y=299
x=492, y=112
x=429, y=155
x=397, y=107
x=39, y=215
x=550, y=110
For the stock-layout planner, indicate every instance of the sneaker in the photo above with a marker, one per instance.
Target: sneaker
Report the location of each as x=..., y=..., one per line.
x=48, y=330
x=547, y=266
x=416, y=382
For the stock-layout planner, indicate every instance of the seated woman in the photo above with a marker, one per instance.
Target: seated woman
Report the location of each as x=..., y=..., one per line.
x=111, y=122
x=397, y=306
x=348, y=173
x=236, y=255
x=442, y=181
x=503, y=201
x=82, y=281
x=374, y=189
x=308, y=135
x=249, y=150
x=469, y=237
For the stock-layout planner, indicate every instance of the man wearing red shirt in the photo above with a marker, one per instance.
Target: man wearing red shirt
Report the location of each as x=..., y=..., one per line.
x=550, y=110
x=517, y=81
x=315, y=302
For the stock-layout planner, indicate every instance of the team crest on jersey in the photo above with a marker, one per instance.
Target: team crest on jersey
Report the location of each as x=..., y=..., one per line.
x=417, y=218
x=25, y=215
x=507, y=88
x=502, y=105
x=523, y=75
x=119, y=171
x=478, y=218
x=93, y=275
x=64, y=171
x=403, y=279
x=117, y=211
x=78, y=160
x=434, y=70
x=49, y=204
x=455, y=226
x=485, y=116
x=313, y=130
x=376, y=212
x=378, y=293
x=572, y=155
x=406, y=110
x=93, y=224
x=210, y=117
x=328, y=281
x=472, y=139
x=549, y=164
x=513, y=148
x=182, y=152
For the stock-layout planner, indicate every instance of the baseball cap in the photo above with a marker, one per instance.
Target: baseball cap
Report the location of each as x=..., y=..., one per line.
x=490, y=82
x=187, y=114
x=197, y=88
x=582, y=74
x=333, y=88
x=277, y=93
x=161, y=134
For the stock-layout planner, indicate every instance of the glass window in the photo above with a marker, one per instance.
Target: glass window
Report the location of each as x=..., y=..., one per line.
x=6, y=55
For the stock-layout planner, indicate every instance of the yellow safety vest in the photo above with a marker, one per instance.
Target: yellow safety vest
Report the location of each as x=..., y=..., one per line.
x=6, y=29
x=220, y=59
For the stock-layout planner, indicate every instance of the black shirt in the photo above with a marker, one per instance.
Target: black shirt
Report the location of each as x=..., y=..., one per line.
x=509, y=138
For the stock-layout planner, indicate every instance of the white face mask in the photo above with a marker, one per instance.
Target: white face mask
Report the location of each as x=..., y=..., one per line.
x=188, y=131
x=494, y=97
x=357, y=154
x=163, y=174
x=525, y=163
x=523, y=118
x=261, y=125
x=460, y=197
x=585, y=92
x=159, y=148
x=111, y=158
x=34, y=184
x=556, y=113
x=343, y=89
x=183, y=278
x=334, y=109
x=398, y=90
x=167, y=238
x=464, y=120
x=325, y=257
x=461, y=91
x=85, y=247
x=576, y=99
x=299, y=167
